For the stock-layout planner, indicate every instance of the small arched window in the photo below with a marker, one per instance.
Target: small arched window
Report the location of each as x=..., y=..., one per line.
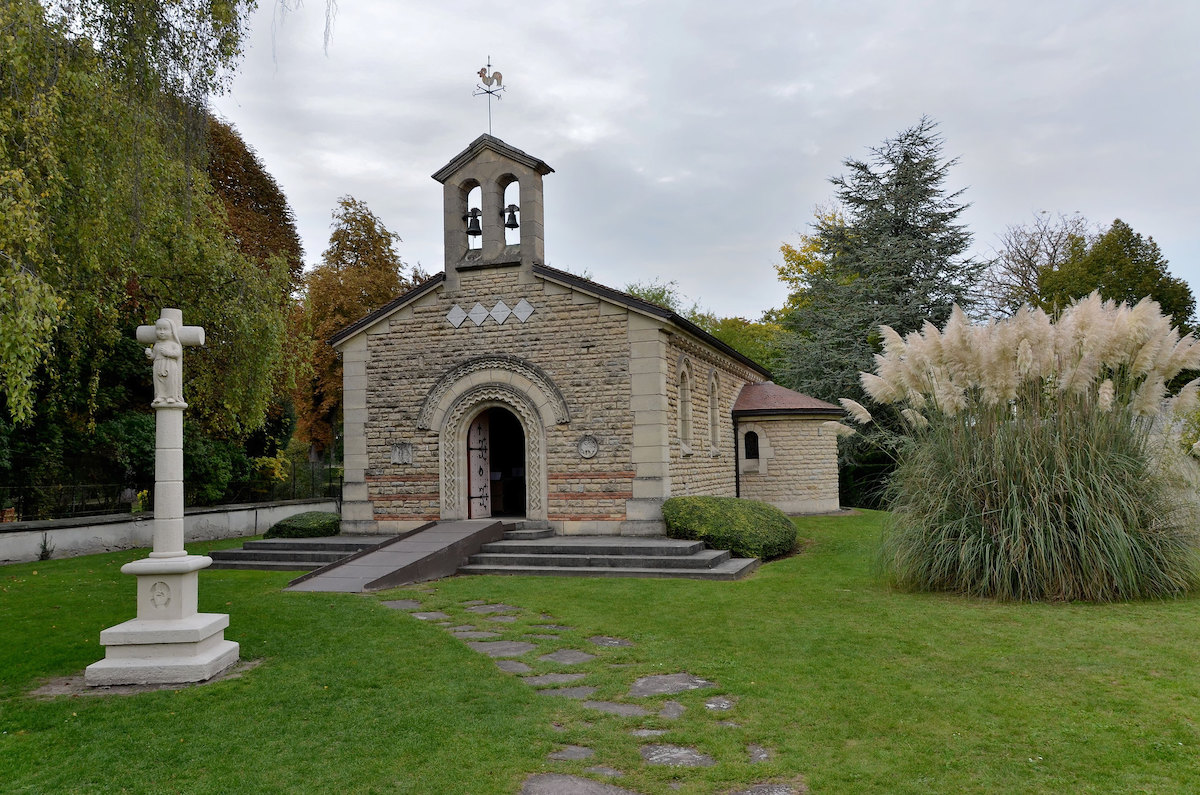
x=685, y=410
x=751, y=442
x=714, y=415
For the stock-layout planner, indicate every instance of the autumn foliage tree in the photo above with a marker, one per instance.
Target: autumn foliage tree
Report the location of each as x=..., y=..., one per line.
x=258, y=214
x=359, y=272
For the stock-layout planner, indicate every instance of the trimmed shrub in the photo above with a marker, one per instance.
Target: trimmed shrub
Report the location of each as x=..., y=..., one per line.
x=746, y=528
x=310, y=524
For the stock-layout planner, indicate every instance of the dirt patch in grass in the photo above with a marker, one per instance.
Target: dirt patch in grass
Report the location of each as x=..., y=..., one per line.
x=76, y=686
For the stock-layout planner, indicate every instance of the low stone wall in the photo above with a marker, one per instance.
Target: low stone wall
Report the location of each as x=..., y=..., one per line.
x=22, y=541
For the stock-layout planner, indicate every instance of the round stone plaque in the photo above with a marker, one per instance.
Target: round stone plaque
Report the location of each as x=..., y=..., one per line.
x=588, y=446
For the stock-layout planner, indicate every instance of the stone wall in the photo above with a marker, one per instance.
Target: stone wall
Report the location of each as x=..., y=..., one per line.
x=22, y=541
x=697, y=465
x=797, y=465
x=578, y=342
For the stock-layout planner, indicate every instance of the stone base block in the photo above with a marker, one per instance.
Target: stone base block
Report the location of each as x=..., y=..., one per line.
x=643, y=528
x=148, y=652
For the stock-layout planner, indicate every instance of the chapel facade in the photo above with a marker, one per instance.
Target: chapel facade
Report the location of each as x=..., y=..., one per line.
x=504, y=387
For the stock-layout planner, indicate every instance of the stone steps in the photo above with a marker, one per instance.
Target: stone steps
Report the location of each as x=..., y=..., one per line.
x=702, y=559
x=606, y=556
x=732, y=569
x=596, y=545
x=292, y=554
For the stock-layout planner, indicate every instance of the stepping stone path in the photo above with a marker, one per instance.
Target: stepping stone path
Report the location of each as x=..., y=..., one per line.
x=552, y=679
x=567, y=656
x=612, y=643
x=757, y=753
x=578, y=693
x=644, y=687
x=402, y=604
x=513, y=666
x=554, y=784
x=667, y=684
x=572, y=752
x=502, y=648
x=613, y=708
x=496, y=608
x=675, y=756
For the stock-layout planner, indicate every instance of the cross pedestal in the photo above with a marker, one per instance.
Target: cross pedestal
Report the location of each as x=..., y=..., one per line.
x=169, y=642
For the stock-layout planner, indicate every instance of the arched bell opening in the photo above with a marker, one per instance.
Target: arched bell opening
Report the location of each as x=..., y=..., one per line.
x=496, y=479
x=472, y=218
x=510, y=211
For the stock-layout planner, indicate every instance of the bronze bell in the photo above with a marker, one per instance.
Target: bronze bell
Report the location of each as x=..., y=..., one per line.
x=511, y=221
x=473, y=224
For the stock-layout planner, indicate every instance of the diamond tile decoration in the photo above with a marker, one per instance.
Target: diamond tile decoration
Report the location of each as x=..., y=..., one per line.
x=500, y=312
x=456, y=316
x=523, y=310
x=478, y=314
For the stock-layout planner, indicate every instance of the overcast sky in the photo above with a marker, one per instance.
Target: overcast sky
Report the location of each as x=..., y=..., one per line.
x=690, y=139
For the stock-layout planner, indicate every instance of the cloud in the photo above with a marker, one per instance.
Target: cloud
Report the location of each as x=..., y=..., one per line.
x=690, y=140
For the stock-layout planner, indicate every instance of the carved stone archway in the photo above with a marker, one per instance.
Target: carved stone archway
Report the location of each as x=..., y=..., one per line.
x=453, y=443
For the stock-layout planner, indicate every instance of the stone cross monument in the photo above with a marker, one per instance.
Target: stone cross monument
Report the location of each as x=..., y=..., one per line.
x=169, y=641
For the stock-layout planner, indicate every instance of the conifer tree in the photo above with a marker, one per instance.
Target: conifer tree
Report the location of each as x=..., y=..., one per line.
x=891, y=252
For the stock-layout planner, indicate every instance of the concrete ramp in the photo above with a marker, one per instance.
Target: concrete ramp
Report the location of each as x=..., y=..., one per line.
x=434, y=551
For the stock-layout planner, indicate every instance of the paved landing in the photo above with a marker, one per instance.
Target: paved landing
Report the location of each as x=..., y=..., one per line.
x=434, y=552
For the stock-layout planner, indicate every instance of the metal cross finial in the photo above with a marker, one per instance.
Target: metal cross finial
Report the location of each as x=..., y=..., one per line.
x=492, y=86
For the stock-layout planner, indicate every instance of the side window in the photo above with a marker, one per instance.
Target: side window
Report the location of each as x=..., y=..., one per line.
x=714, y=415
x=685, y=411
x=751, y=442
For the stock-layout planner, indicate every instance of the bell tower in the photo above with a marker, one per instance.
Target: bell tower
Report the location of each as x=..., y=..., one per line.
x=475, y=236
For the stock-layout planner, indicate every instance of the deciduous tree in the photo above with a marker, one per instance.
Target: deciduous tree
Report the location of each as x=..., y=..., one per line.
x=359, y=272
x=1121, y=265
x=1027, y=253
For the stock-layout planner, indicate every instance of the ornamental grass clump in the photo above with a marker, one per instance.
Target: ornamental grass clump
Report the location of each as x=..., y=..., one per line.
x=1041, y=461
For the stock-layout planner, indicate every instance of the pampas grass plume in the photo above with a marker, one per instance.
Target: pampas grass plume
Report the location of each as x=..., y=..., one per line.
x=856, y=411
x=837, y=428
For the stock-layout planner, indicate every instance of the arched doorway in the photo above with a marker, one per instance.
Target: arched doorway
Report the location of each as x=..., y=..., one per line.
x=495, y=465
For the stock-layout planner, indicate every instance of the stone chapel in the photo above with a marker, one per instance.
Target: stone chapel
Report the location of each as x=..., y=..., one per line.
x=504, y=387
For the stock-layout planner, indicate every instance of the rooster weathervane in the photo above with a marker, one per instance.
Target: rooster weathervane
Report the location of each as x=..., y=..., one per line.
x=493, y=84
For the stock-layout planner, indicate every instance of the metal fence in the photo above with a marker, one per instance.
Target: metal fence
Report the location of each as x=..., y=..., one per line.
x=303, y=480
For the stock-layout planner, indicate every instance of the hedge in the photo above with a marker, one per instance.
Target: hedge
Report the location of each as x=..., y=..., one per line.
x=310, y=524
x=746, y=528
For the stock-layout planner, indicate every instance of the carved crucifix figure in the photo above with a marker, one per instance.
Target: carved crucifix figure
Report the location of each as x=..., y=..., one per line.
x=167, y=338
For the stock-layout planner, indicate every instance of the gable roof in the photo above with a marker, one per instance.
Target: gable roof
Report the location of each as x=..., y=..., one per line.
x=493, y=143
x=387, y=309
x=646, y=307
x=771, y=398
x=579, y=283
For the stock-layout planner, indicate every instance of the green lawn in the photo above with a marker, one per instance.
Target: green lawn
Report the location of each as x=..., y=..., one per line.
x=854, y=687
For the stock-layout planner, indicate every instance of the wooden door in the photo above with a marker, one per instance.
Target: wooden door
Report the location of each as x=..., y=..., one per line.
x=479, y=475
